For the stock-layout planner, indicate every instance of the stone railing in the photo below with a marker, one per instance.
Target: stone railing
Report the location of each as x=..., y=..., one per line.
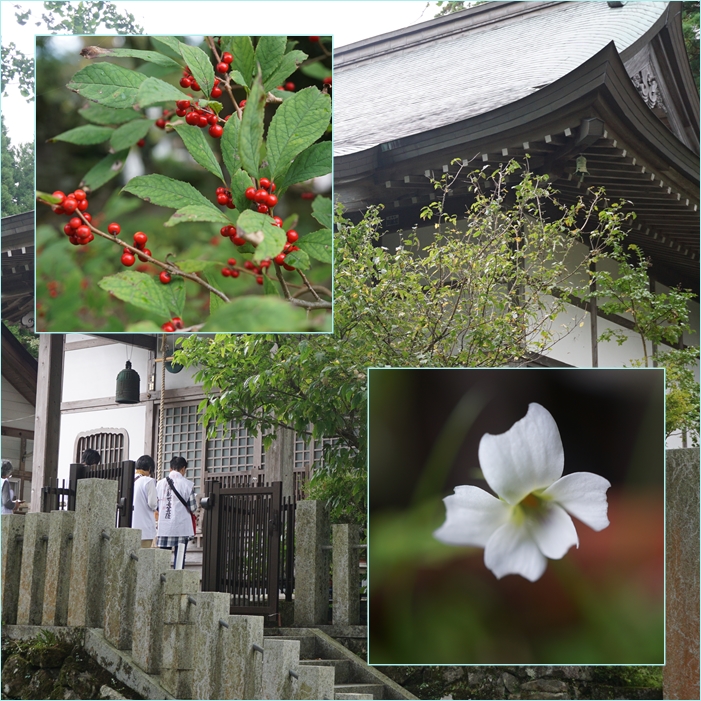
x=75, y=570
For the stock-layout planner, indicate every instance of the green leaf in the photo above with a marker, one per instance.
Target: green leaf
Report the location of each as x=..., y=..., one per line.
x=150, y=56
x=195, y=266
x=110, y=85
x=103, y=171
x=322, y=211
x=287, y=66
x=317, y=71
x=230, y=144
x=237, y=77
x=244, y=59
x=99, y=114
x=154, y=91
x=169, y=46
x=259, y=229
x=166, y=192
x=141, y=290
x=215, y=301
x=270, y=288
x=87, y=135
x=311, y=163
x=269, y=53
x=240, y=182
x=198, y=212
x=200, y=66
x=297, y=124
x=128, y=134
x=298, y=259
x=199, y=149
x=318, y=245
x=258, y=313
x=145, y=326
x=251, y=132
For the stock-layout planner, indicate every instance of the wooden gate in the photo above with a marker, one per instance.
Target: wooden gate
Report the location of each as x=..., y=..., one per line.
x=241, y=545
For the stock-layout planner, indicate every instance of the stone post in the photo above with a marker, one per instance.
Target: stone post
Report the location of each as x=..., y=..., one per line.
x=279, y=659
x=96, y=503
x=316, y=682
x=147, y=635
x=178, y=632
x=31, y=583
x=211, y=608
x=346, y=574
x=123, y=545
x=12, y=538
x=681, y=673
x=312, y=563
x=58, y=568
x=242, y=662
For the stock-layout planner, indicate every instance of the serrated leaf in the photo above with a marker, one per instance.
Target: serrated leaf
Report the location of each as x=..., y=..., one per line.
x=215, y=301
x=150, y=56
x=128, y=134
x=270, y=288
x=99, y=114
x=110, y=85
x=200, y=66
x=154, y=91
x=322, y=211
x=311, y=163
x=317, y=71
x=195, y=266
x=298, y=259
x=230, y=144
x=169, y=46
x=240, y=182
x=244, y=61
x=259, y=230
x=166, y=192
x=252, y=314
x=297, y=124
x=141, y=290
x=318, y=245
x=87, y=135
x=287, y=66
x=251, y=131
x=197, y=212
x=104, y=170
x=199, y=149
x=237, y=77
x=269, y=53
x=213, y=104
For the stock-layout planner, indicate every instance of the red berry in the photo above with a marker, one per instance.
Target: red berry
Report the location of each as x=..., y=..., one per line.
x=250, y=193
x=314, y=39
x=195, y=85
x=88, y=216
x=128, y=259
x=177, y=322
x=272, y=200
x=264, y=182
x=235, y=273
x=222, y=198
x=242, y=104
x=225, y=272
x=161, y=123
x=79, y=194
x=222, y=67
x=224, y=231
x=292, y=236
x=273, y=187
x=74, y=240
x=216, y=130
x=289, y=86
x=165, y=277
x=230, y=203
x=327, y=80
x=259, y=279
x=185, y=82
x=287, y=267
x=75, y=222
x=70, y=204
x=263, y=208
x=248, y=265
x=82, y=205
x=146, y=252
x=216, y=91
x=261, y=196
x=68, y=230
x=308, y=195
x=168, y=327
x=192, y=118
x=226, y=57
x=182, y=104
x=114, y=228
x=238, y=240
x=82, y=231
x=140, y=238
x=59, y=194
x=231, y=261
x=141, y=143
x=265, y=263
x=202, y=120
x=279, y=258
x=277, y=221
x=220, y=189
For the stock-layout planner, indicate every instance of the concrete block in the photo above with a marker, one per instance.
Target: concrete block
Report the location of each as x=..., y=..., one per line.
x=312, y=563
x=211, y=608
x=96, y=504
x=58, y=568
x=12, y=540
x=120, y=585
x=346, y=574
x=30, y=604
x=279, y=659
x=243, y=664
x=315, y=682
x=147, y=634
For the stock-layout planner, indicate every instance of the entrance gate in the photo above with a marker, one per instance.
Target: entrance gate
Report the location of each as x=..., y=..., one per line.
x=241, y=545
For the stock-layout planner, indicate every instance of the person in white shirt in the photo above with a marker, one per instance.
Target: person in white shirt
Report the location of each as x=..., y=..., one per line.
x=145, y=500
x=8, y=495
x=176, y=504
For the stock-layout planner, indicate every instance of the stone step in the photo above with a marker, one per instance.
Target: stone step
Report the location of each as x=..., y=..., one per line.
x=344, y=668
x=307, y=645
x=346, y=695
x=374, y=690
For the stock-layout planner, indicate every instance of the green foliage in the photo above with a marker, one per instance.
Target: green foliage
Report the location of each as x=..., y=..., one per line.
x=27, y=338
x=690, y=27
x=17, y=176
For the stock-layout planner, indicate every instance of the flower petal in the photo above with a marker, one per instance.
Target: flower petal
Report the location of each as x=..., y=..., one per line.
x=472, y=516
x=511, y=550
x=583, y=494
x=553, y=531
x=528, y=456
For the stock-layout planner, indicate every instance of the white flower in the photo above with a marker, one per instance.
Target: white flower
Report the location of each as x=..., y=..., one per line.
x=529, y=522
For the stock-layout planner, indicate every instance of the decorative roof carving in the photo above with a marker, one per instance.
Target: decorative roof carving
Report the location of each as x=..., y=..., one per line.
x=646, y=84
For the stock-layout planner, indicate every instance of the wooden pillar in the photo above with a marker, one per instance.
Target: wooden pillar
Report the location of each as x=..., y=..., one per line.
x=47, y=420
x=280, y=459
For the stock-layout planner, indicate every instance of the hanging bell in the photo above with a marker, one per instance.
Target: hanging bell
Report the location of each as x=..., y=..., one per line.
x=127, y=386
x=581, y=166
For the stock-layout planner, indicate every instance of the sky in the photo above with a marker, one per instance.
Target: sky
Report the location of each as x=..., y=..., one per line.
x=347, y=20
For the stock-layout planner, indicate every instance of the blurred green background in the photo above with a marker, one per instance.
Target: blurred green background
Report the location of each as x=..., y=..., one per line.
x=431, y=603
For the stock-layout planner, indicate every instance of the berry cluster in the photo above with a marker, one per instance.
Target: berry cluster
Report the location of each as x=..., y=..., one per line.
x=230, y=231
x=263, y=197
x=140, y=240
x=175, y=324
x=187, y=81
x=77, y=230
x=199, y=117
x=231, y=270
x=224, y=197
x=225, y=64
x=161, y=121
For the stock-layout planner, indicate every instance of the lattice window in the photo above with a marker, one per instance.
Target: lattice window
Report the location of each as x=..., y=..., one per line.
x=183, y=436
x=111, y=443
x=233, y=450
x=310, y=450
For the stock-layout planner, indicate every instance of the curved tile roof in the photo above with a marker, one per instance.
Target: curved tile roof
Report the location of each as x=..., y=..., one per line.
x=459, y=66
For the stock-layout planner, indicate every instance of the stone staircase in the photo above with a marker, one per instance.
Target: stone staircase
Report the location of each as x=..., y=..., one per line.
x=354, y=678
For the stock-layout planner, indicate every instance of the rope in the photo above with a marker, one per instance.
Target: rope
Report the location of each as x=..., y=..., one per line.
x=159, y=461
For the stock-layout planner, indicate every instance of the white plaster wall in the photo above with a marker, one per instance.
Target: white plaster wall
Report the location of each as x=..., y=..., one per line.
x=574, y=346
x=179, y=380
